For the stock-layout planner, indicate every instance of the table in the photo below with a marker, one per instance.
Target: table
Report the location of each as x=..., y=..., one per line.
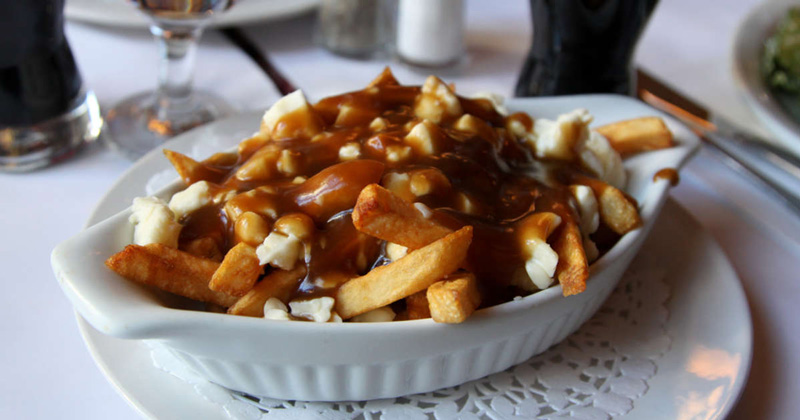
x=47, y=372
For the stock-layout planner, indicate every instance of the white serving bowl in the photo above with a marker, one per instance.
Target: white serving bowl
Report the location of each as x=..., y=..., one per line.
x=356, y=361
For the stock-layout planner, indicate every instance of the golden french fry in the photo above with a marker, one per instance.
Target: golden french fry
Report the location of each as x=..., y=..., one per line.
x=278, y=284
x=262, y=165
x=406, y=276
x=617, y=210
x=453, y=299
x=417, y=306
x=382, y=214
x=572, y=269
x=238, y=272
x=637, y=135
x=205, y=247
x=191, y=170
x=386, y=78
x=169, y=269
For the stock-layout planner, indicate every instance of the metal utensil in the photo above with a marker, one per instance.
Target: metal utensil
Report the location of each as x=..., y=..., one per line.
x=261, y=59
x=768, y=164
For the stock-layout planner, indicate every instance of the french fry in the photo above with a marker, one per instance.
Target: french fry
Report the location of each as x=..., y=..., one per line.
x=406, y=276
x=572, y=269
x=261, y=165
x=205, y=247
x=617, y=210
x=169, y=269
x=386, y=78
x=417, y=306
x=191, y=170
x=278, y=284
x=238, y=272
x=453, y=299
x=637, y=135
x=380, y=213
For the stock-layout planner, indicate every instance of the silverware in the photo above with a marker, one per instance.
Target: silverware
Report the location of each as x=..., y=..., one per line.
x=767, y=164
x=238, y=37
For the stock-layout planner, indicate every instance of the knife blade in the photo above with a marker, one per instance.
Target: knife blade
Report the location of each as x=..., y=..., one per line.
x=766, y=163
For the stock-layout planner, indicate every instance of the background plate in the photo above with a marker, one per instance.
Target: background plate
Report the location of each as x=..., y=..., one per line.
x=123, y=13
x=747, y=49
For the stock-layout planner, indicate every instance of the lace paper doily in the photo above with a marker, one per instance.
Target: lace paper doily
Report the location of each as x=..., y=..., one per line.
x=596, y=373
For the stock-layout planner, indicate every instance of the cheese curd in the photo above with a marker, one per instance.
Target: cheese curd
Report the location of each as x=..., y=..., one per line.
x=437, y=102
x=598, y=156
x=280, y=250
x=317, y=310
x=275, y=309
x=541, y=266
x=305, y=123
x=569, y=138
x=382, y=314
x=154, y=222
x=192, y=198
x=350, y=151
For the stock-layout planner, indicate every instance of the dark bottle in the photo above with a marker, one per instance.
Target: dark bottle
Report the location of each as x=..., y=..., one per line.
x=45, y=115
x=583, y=46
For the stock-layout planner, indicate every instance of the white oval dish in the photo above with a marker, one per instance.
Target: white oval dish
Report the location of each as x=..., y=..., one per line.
x=334, y=362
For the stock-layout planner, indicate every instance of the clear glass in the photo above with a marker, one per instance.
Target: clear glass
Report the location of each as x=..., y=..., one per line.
x=29, y=147
x=46, y=114
x=146, y=120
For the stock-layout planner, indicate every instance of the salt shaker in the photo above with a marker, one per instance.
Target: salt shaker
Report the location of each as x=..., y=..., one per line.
x=430, y=33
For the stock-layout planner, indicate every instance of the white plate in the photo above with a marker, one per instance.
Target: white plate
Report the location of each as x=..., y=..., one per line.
x=123, y=13
x=708, y=312
x=708, y=317
x=748, y=46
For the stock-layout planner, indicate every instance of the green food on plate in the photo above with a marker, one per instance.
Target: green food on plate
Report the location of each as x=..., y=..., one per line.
x=781, y=61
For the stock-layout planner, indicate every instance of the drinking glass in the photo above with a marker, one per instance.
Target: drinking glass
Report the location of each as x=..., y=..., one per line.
x=140, y=123
x=583, y=46
x=46, y=114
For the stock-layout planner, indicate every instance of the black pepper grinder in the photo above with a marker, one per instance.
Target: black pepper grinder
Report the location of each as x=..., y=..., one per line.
x=583, y=46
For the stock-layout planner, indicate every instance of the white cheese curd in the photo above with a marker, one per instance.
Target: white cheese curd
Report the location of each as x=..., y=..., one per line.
x=424, y=210
x=589, y=217
x=436, y=101
x=382, y=314
x=395, y=251
x=275, y=309
x=317, y=310
x=192, y=198
x=597, y=155
x=541, y=266
x=350, y=151
x=154, y=222
x=587, y=208
x=557, y=139
x=279, y=250
x=569, y=137
x=293, y=103
x=497, y=100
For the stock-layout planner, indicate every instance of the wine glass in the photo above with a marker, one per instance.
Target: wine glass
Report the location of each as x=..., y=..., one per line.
x=140, y=123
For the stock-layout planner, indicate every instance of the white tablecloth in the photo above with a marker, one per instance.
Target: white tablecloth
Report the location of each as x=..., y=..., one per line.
x=48, y=373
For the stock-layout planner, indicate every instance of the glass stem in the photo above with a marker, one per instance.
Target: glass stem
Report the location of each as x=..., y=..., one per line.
x=177, y=48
